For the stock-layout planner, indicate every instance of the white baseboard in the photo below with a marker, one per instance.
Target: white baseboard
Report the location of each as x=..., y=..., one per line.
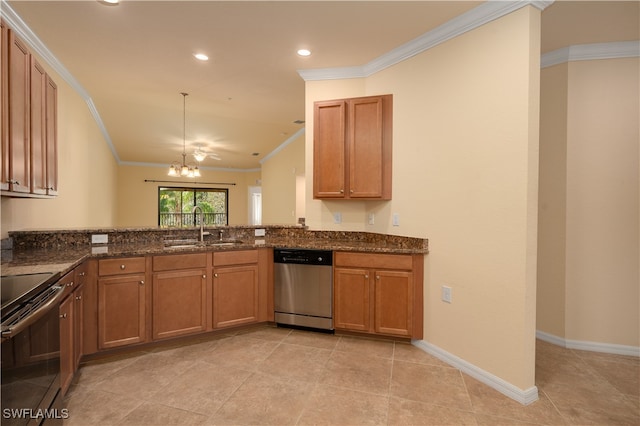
x=524, y=397
x=608, y=348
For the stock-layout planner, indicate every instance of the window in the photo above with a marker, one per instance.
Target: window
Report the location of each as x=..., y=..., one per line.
x=175, y=206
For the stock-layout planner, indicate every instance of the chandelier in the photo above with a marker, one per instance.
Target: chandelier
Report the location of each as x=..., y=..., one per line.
x=184, y=169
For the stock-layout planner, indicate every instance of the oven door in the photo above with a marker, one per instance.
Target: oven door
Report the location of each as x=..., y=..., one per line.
x=31, y=364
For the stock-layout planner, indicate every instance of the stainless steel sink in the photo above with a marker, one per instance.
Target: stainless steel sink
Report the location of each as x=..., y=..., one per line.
x=223, y=242
x=187, y=243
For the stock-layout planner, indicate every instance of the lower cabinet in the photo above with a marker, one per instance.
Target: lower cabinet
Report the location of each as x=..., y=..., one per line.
x=67, y=361
x=179, y=295
x=71, y=314
x=122, y=302
x=378, y=294
x=235, y=288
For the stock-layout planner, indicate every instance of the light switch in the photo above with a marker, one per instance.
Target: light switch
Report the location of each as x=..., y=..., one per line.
x=337, y=217
x=395, y=219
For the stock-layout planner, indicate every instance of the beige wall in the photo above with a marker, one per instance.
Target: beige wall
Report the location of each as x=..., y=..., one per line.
x=138, y=200
x=603, y=128
x=589, y=195
x=551, y=297
x=602, y=262
x=464, y=176
x=86, y=174
x=279, y=176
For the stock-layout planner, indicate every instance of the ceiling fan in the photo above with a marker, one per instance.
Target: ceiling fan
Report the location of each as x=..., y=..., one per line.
x=200, y=155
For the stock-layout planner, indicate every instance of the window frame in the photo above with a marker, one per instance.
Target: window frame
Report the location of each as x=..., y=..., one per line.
x=194, y=190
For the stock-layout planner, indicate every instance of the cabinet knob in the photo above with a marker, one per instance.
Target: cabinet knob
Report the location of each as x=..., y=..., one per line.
x=141, y=282
x=70, y=284
x=63, y=316
x=215, y=275
x=204, y=276
x=366, y=276
x=122, y=266
x=377, y=277
x=351, y=191
x=78, y=297
x=342, y=191
x=82, y=274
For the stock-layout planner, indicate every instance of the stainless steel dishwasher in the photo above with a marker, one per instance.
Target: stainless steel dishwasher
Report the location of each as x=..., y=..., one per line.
x=303, y=286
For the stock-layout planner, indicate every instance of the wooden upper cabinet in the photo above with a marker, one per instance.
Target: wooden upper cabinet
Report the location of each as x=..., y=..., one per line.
x=37, y=121
x=18, y=98
x=51, y=133
x=29, y=165
x=4, y=105
x=329, y=149
x=353, y=148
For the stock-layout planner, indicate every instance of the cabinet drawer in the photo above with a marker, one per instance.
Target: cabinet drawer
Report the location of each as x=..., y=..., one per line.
x=179, y=261
x=120, y=266
x=373, y=260
x=235, y=257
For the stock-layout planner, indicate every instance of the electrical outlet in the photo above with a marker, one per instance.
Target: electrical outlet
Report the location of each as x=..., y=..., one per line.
x=446, y=294
x=395, y=219
x=100, y=239
x=337, y=217
x=372, y=219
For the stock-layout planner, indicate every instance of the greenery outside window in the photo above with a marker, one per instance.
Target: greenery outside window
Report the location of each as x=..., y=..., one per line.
x=175, y=206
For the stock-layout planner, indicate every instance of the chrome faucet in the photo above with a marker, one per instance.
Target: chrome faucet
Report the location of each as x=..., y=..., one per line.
x=202, y=233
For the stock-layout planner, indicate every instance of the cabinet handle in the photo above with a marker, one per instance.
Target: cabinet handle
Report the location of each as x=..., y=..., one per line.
x=63, y=316
x=14, y=182
x=141, y=282
x=122, y=266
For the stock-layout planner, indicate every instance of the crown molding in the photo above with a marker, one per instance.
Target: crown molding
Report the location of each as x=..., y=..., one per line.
x=588, y=52
x=283, y=145
x=24, y=32
x=474, y=18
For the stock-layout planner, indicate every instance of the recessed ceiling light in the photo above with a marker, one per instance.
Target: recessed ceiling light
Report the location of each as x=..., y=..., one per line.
x=201, y=56
x=111, y=2
x=304, y=52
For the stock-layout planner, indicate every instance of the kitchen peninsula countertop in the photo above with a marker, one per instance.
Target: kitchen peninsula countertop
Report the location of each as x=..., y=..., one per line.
x=60, y=251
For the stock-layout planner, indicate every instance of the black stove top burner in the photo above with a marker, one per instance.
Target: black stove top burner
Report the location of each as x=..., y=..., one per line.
x=15, y=288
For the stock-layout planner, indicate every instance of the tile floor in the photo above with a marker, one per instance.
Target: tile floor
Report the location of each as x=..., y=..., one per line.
x=278, y=376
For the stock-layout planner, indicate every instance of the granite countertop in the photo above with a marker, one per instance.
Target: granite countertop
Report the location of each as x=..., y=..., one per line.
x=29, y=259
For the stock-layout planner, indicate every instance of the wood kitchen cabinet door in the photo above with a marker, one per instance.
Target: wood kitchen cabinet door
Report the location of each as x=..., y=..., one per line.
x=179, y=303
x=329, y=149
x=352, y=299
x=38, y=124
x=78, y=325
x=121, y=310
x=51, y=134
x=67, y=362
x=235, y=295
x=4, y=105
x=19, y=155
x=393, y=303
x=368, y=153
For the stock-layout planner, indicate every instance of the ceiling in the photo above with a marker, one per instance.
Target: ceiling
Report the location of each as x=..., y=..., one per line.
x=134, y=59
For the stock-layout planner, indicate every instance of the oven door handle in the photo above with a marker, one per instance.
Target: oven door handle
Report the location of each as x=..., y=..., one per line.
x=35, y=315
